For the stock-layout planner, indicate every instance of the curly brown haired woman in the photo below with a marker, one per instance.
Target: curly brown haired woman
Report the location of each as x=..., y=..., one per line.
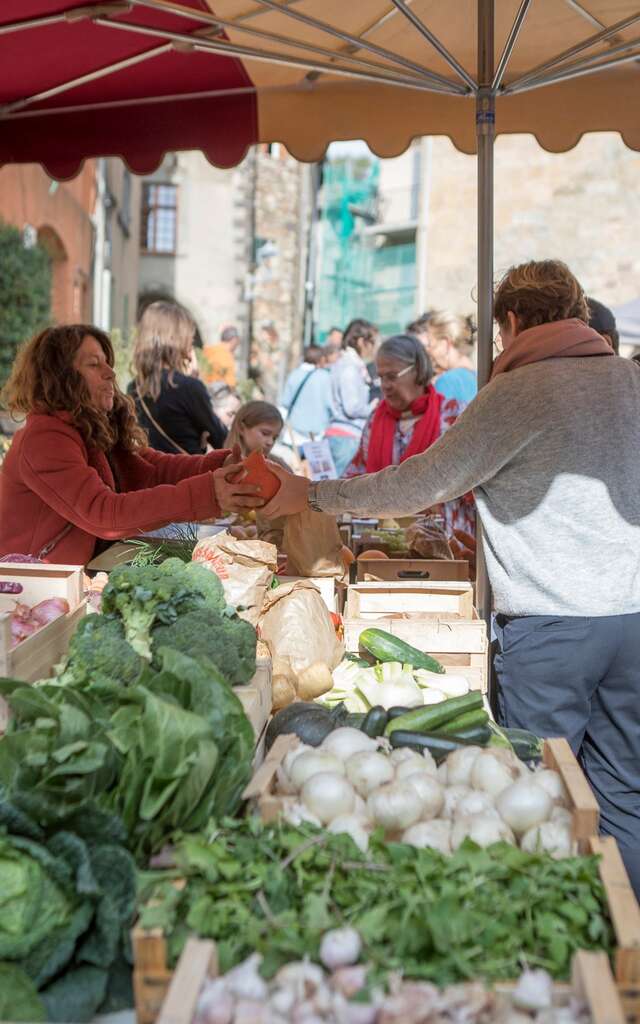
x=79, y=472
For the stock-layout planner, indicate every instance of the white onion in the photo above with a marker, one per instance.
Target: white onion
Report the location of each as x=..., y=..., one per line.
x=297, y=814
x=435, y=834
x=443, y=773
x=562, y=816
x=482, y=830
x=311, y=763
x=353, y=825
x=401, y=754
x=459, y=765
x=430, y=792
x=431, y=696
x=421, y=764
x=291, y=756
x=555, y=787
x=550, y=836
x=395, y=806
x=368, y=770
x=344, y=742
x=523, y=804
x=340, y=947
x=490, y=774
x=328, y=795
x=452, y=797
x=475, y=802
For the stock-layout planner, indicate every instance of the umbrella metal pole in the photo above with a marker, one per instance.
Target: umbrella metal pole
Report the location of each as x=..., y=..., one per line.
x=485, y=130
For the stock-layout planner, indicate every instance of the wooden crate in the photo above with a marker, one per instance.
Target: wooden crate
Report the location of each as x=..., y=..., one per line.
x=418, y=600
x=460, y=645
x=591, y=982
x=256, y=696
x=151, y=975
x=372, y=570
x=625, y=917
x=35, y=657
x=557, y=754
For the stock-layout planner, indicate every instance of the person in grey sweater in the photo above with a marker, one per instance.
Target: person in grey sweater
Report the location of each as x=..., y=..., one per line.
x=550, y=449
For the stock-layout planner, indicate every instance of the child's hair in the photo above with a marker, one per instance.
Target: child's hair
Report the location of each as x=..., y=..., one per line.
x=250, y=415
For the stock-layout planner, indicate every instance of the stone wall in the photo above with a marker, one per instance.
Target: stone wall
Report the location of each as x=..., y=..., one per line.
x=582, y=206
x=281, y=234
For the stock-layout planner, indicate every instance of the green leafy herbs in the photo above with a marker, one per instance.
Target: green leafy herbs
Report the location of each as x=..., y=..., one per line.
x=167, y=753
x=67, y=902
x=478, y=913
x=158, y=594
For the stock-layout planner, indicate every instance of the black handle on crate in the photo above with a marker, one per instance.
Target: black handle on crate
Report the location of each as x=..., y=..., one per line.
x=414, y=574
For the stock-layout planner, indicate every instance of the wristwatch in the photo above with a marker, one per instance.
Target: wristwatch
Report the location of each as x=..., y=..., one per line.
x=312, y=498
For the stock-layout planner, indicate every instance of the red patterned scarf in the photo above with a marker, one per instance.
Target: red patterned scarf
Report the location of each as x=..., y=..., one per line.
x=385, y=421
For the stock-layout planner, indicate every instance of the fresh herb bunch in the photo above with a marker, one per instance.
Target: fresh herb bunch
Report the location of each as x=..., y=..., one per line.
x=478, y=913
x=183, y=539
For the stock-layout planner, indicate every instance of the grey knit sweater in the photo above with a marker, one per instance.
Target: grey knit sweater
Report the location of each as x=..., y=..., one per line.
x=552, y=453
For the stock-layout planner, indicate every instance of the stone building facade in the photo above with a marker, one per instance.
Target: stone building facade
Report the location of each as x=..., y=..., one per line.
x=233, y=252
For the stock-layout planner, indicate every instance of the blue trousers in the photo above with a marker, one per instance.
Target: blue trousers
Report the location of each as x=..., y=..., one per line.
x=343, y=449
x=580, y=678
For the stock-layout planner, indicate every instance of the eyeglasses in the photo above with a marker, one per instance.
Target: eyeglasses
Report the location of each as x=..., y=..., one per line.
x=497, y=343
x=391, y=378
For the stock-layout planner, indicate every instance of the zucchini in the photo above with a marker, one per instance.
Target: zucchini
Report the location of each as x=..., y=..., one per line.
x=467, y=720
x=431, y=717
x=396, y=712
x=374, y=722
x=382, y=646
x=526, y=745
x=479, y=735
x=438, y=746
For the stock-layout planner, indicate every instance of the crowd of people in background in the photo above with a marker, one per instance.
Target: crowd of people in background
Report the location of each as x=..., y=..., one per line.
x=374, y=401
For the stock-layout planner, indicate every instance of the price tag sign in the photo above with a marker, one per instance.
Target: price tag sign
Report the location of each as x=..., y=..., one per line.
x=320, y=460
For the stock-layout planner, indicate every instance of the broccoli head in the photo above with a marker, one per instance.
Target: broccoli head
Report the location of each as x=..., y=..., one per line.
x=99, y=648
x=146, y=595
x=228, y=641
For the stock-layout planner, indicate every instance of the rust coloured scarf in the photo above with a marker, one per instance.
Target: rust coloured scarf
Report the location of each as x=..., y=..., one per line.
x=562, y=339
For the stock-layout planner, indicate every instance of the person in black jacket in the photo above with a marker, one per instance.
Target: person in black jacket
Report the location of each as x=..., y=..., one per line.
x=172, y=406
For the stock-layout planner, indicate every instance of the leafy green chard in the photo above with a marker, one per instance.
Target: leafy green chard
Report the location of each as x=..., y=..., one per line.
x=165, y=754
x=477, y=913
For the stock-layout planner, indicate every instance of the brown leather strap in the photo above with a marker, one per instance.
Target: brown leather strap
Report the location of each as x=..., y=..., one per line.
x=48, y=548
x=162, y=432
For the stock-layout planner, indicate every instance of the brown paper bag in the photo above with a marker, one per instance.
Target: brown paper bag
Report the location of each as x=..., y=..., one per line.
x=246, y=569
x=313, y=545
x=297, y=627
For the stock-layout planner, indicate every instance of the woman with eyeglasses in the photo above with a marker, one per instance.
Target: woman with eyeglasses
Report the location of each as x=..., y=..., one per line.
x=550, y=448
x=411, y=417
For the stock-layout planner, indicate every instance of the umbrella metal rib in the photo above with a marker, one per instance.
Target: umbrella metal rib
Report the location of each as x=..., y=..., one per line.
x=509, y=45
x=580, y=72
x=361, y=43
x=435, y=42
x=19, y=26
x=573, y=51
x=593, y=62
x=174, y=8
x=223, y=48
x=91, y=76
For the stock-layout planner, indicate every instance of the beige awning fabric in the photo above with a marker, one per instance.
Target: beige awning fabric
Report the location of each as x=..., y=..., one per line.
x=307, y=107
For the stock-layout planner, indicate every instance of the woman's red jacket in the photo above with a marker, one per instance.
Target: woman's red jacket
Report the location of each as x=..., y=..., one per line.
x=50, y=478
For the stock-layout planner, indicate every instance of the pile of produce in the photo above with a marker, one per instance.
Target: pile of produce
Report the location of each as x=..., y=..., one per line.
x=67, y=895
x=27, y=620
x=350, y=784
x=139, y=734
x=302, y=991
x=478, y=913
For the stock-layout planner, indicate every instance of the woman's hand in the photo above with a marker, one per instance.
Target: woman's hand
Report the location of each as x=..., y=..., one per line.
x=231, y=493
x=234, y=458
x=291, y=497
x=463, y=545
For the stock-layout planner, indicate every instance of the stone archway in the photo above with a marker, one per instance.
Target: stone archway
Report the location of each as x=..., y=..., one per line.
x=61, y=298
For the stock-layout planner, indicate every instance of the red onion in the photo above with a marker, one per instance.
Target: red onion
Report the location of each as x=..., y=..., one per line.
x=22, y=558
x=7, y=587
x=49, y=609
